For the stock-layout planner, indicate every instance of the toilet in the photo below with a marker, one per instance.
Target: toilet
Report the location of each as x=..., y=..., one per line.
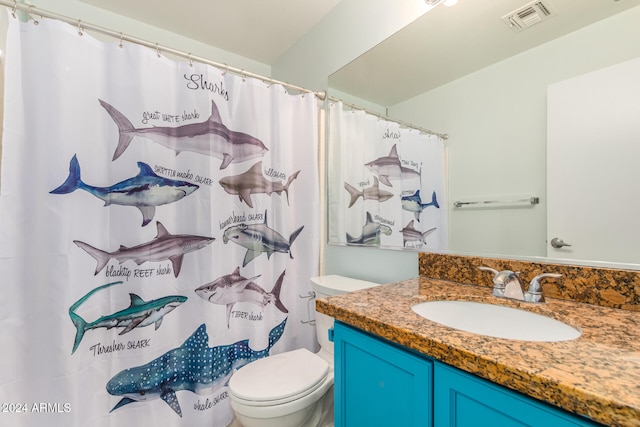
x=295, y=388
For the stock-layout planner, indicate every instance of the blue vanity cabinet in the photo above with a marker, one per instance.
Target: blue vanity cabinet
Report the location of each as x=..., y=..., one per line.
x=378, y=383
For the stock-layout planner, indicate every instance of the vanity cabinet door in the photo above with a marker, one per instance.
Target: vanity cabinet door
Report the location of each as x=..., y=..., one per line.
x=464, y=400
x=378, y=383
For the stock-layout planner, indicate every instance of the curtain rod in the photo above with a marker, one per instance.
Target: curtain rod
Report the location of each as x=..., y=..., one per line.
x=444, y=136
x=32, y=10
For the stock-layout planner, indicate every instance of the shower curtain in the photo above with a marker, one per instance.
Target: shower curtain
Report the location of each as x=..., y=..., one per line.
x=386, y=183
x=158, y=228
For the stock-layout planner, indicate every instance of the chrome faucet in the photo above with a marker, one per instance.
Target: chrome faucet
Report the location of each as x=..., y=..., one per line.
x=534, y=293
x=507, y=285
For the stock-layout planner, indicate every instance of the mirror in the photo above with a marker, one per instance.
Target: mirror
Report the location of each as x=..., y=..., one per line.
x=464, y=71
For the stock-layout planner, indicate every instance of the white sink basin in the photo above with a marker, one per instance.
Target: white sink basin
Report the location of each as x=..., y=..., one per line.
x=496, y=321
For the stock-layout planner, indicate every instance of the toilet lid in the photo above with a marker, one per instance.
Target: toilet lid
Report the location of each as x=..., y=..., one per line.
x=281, y=377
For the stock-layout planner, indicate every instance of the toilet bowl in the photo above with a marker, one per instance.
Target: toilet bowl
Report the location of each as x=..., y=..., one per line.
x=295, y=388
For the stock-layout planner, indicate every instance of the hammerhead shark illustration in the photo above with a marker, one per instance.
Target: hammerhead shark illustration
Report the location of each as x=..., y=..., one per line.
x=144, y=191
x=232, y=288
x=370, y=232
x=411, y=234
x=210, y=137
x=164, y=246
x=253, y=182
x=139, y=313
x=414, y=204
x=389, y=167
x=193, y=366
x=369, y=193
x=258, y=238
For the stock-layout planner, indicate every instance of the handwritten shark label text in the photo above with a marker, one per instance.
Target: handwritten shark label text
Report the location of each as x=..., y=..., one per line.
x=187, y=175
x=381, y=220
x=210, y=403
x=126, y=273
x=389, y=134
x=115, y=346
x=148, y=116
x=411, y=163
x=243, y=217
x=197, y=81
x=237, y=314
x=364, y=183
x=275, y=174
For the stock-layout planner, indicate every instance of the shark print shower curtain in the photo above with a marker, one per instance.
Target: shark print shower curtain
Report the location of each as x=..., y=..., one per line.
x=158, y=228
x=386, y=183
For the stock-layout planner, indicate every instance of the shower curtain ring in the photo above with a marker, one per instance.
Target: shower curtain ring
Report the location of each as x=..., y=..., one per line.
x=80, y=31
x=190, y=60
x=13, y=9
x=242, y=74
x=35, y=21
x=226, y=69
x=121, y=44
x=158, y=50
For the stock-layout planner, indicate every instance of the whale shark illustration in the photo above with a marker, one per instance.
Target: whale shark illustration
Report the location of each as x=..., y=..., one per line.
x=411, y=234
x=414, y=204
x=370, y=232
x=258, y=238
x=144, y=191
x=139, y=313
x=389, y=167
x=369, y=193
x=165, y=246
x=232, y=288
x=253, y=182
x=210, y=137
x=193, y=366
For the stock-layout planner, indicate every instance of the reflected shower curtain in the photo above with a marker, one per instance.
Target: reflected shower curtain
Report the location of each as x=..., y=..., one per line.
x=386, y=183
x=158, y=227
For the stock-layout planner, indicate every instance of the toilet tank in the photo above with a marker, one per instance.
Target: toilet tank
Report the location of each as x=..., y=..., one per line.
x=326, y=286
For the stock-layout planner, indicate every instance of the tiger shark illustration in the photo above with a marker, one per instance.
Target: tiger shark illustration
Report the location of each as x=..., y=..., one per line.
x=414, y=204
x=258, y=238
x=194, y=366
x=210, y=137
x=389, y=167
x=139, y=313
x=411, y=234
x=369, y=193
x=165, y=246
x=232, y=288
x=370, y=233
x=253, y=182
x=144, y=191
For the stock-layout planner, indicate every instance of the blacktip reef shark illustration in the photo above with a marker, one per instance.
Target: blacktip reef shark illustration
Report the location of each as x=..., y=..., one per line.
x=369, y=193
x=414, y=204
x=194, y=366
x=165, y=246
x=210, y=137
x=258, y=238
x=253, y=182
x=411, y=234
x=370, y=233
x=390, y=167
x=145, y=191
x=233, y=288
x=140, y=313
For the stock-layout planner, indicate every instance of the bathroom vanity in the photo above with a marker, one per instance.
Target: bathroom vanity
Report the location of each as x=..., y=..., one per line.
x=391, y=362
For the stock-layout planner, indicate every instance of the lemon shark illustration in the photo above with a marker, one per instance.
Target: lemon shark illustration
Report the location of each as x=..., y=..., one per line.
x=165, y=246
x=390, y=167
x=210, y=137
x=194, y=366
x=145, y=191
x=140, y=313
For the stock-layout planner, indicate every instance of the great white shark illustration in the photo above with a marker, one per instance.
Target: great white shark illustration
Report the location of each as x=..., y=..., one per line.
x=253, y=182
x=140, y=313
x=411, y=234
x=145, y=191
x=165, y=246
x=413, y=203
x=390, y=167
x=258, y=238
x=232, y=288
x=194, y=366
x=370, y=232
x=369, y=193
x=210, y=137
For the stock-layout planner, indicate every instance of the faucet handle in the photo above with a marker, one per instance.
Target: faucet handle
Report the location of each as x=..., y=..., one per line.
x=534, y=294
x=505, y=283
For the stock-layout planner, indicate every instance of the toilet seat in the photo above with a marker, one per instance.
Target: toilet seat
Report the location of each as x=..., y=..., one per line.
x=278, y=379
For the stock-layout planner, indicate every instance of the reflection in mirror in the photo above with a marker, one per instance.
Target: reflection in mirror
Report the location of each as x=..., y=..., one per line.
x=465, y=72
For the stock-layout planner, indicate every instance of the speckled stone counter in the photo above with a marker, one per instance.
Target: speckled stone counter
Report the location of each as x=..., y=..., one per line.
x=597, y=375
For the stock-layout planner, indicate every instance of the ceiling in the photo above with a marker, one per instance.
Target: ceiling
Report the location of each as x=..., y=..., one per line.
x=257, y=29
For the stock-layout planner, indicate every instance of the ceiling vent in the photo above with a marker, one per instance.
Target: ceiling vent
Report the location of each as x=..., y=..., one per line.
x=528, y=15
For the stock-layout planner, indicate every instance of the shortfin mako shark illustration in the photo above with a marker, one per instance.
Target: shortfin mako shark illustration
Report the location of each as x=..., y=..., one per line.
x=194, y=366
x=414, y=204
x=165, y=246
x=144, y=191
x=210, y=137
x=139, y=313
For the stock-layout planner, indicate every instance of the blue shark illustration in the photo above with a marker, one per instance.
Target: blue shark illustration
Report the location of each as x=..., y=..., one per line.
x=389, y=167
x=414, y=204
x=258, y=238
x=144, y=191
x=210, y=137
x=193, y=366
x=370, y=233
x=139, y=313
x=164, y=246
x=411, y=234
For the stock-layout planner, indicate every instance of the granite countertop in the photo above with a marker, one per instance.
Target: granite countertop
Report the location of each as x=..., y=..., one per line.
x=597, y=375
